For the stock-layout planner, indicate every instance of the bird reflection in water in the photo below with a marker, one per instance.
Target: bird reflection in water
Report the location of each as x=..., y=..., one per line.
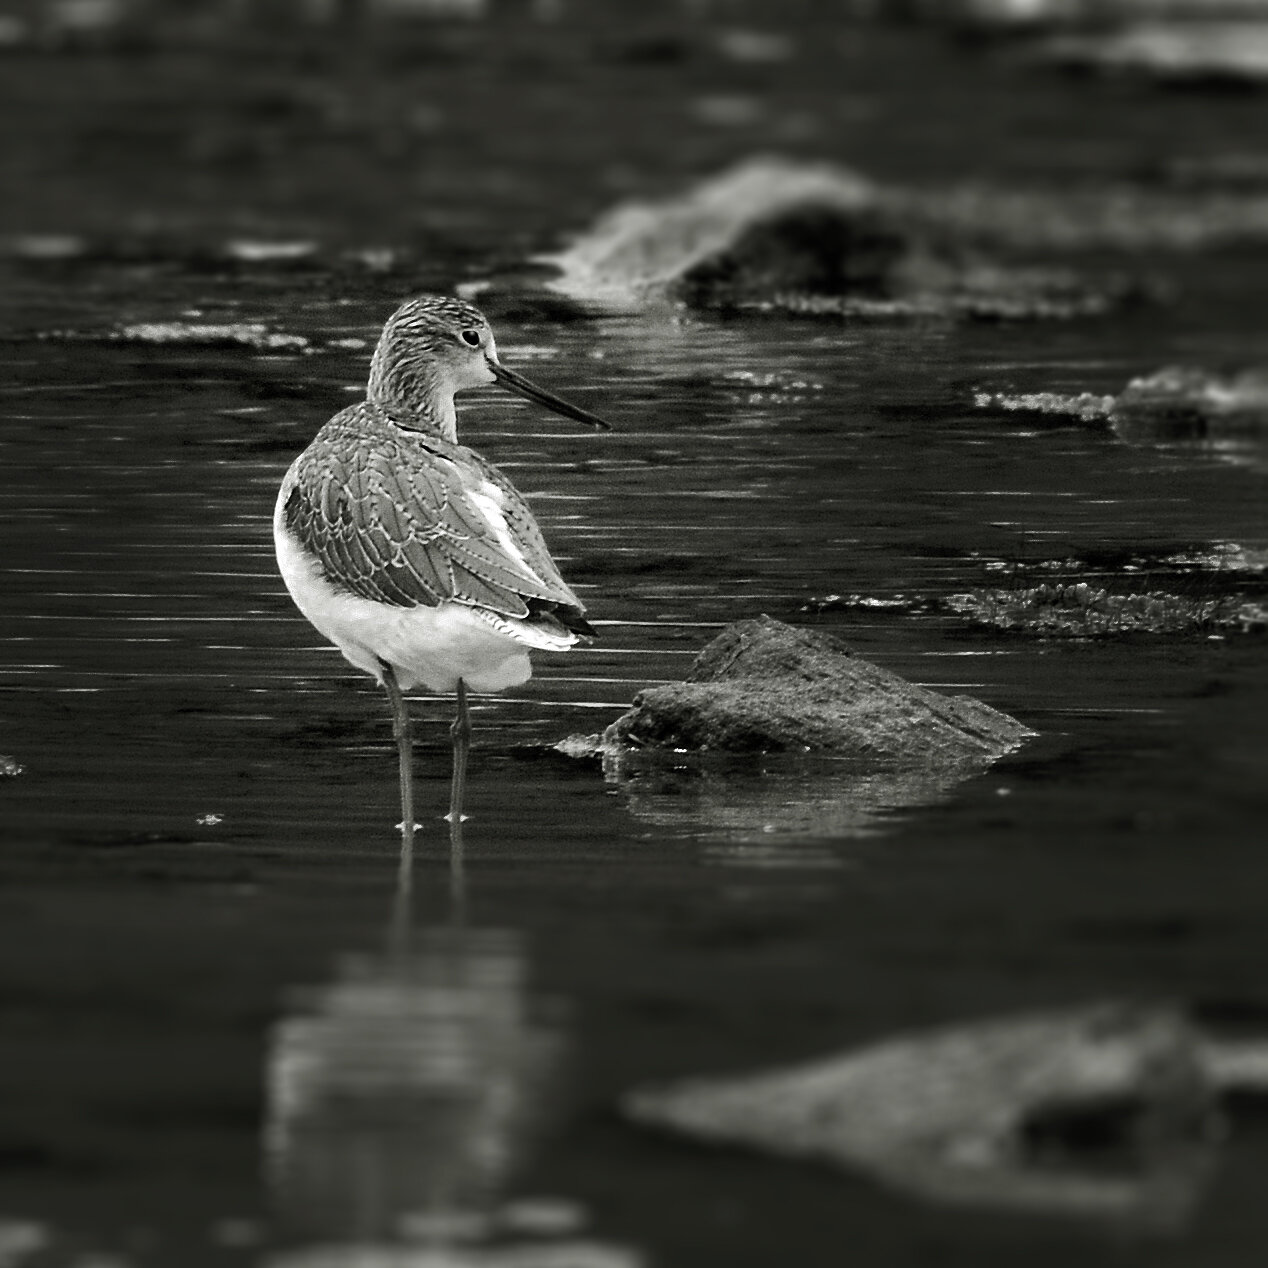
x=402, y=1094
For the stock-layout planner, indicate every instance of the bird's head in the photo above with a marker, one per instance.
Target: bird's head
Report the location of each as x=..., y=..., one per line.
x=434, y=346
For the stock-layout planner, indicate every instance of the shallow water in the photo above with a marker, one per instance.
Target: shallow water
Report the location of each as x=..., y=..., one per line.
x=204, y=817
x=199, y=860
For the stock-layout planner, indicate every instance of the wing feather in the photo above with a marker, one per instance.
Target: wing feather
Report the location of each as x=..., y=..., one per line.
x=409, y=519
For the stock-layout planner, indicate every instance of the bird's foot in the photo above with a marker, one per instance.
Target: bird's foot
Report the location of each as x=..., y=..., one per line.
x=461, y=818
x=400, y=827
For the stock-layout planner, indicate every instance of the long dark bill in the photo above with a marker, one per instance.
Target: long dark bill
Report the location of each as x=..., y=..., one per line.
x=526, y=387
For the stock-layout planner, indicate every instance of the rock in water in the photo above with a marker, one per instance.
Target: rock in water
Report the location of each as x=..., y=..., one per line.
x=1014, y=1112
x=1083, y=611
x=815, y=240
x=1184, y=403
x=646, y=250
x=1196, y=53
x=762, y=686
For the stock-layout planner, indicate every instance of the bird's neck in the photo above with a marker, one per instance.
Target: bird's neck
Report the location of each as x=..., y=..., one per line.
x=414, y=396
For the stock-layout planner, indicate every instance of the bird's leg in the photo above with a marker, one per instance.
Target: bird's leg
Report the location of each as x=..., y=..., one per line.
x=401, y=927
x=405, y=747
x=461, y=733
x=457, y=876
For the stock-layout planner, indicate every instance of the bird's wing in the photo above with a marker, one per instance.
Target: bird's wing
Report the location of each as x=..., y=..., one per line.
x=415, y=520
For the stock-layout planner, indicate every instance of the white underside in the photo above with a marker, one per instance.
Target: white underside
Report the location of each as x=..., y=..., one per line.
x=432, y=646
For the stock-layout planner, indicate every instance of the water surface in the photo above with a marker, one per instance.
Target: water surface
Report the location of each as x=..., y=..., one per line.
x=199, y=857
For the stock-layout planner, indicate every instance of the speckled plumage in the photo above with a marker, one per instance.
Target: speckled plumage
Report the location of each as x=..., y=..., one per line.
x=390, y=515
x=407, y=550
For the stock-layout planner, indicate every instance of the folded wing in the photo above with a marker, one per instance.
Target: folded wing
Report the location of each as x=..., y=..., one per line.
x=409, y=520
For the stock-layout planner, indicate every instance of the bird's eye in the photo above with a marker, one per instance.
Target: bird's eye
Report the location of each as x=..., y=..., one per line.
x=471, y=337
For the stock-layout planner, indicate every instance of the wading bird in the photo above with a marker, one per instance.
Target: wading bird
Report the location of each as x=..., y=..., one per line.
x=407, y=550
